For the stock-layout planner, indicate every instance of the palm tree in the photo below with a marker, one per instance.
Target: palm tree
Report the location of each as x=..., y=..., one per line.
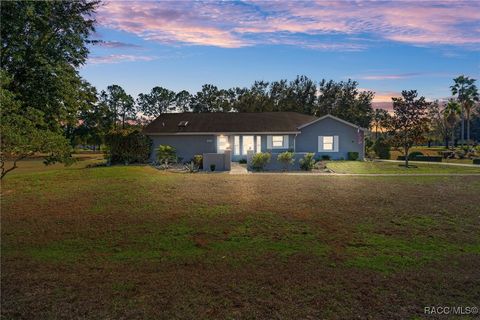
x=452, y=110
x=467, y=95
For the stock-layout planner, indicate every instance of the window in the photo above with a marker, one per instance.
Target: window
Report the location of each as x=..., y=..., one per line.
x=328, y=143
x=259, y=144
x=277, y=141
x=236, y=145
x=247, y=144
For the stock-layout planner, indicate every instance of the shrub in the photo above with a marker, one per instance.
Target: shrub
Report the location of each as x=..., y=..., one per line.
x=414, y=154
x=353, y=156
x=127, y=146
x=198, y=161
x=243, y=161
x=287, y=158
x=212, y=167
x=166, y=155
x=260, y=160
x=325, y=157
x=191, y=167
x=476, y=161
x=308, y=162
x=382, y=148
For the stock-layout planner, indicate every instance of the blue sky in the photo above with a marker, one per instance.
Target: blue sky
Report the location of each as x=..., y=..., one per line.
x=385, y=46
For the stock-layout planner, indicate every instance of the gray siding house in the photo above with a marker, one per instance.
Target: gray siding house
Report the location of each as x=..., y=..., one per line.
x=198, y=133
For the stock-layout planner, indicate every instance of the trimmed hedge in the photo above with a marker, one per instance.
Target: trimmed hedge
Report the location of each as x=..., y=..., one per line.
x=414, y=154
x=126, y=146
x=352, y=156
x=422, y=158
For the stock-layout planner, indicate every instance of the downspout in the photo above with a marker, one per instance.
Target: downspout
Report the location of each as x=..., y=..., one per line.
x=295, y=143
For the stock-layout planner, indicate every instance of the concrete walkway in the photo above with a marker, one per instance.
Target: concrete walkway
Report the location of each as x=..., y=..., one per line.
x=429, y=162
x=238, y=168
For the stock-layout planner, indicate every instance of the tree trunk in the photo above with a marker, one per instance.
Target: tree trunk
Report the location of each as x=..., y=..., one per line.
x=406, y=157
x=446, y=142
x=468, y=128
x=453, y=138
x=429, y=143
x=13, y=167
x=463, y=126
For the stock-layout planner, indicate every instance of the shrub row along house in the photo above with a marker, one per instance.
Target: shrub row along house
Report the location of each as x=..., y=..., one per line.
x=200, y=133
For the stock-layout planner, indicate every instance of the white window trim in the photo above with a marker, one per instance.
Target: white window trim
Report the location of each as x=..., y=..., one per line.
x=335, y=144
x=278, y=138
x=327, y=143
x=285, y=142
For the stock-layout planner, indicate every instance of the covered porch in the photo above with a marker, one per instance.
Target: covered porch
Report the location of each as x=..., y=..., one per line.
x=241, y=144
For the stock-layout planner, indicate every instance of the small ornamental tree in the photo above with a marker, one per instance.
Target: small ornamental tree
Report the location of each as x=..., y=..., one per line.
x=409, y=122
x=287, y=159
x=166, y=155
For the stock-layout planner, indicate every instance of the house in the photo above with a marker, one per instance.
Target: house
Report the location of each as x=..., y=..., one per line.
x=199, y=133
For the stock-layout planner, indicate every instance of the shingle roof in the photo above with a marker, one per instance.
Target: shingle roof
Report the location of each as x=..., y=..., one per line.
x=224, y=122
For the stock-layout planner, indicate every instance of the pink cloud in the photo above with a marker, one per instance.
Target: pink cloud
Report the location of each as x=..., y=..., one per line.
x=239, y=24
x=169, y=22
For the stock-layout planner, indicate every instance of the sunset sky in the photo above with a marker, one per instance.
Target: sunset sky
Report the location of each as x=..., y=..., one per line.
x=385, y=46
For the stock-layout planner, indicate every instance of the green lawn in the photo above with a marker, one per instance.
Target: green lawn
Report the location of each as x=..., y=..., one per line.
x=393, y=167
x=134, y=242
x=34, y=165
x=432, y=151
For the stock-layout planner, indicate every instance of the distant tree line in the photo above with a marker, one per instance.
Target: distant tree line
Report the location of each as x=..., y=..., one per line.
x=114, y=108
x=47, y=108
